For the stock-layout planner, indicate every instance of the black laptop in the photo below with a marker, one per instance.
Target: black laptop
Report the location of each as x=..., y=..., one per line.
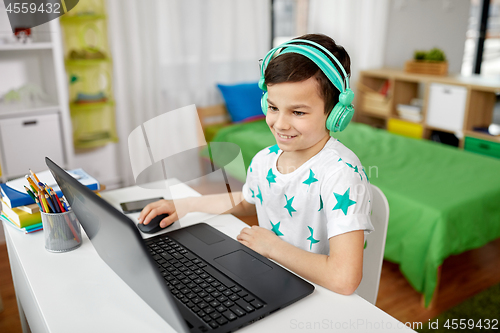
x=196, y=278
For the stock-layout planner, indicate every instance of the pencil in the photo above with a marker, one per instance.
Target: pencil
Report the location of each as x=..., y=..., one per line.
x=72, y=229
x=34, y=176
x=49, y=201
x=44, y=203
x=32, y=195
x=52, y=199
x=38, y=203
x=32, y=183
x=57, y=199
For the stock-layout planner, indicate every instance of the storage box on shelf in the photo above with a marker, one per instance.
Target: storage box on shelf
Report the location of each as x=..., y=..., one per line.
x=85, y=37
x=426, y=67
x=89, y=80
x=454, y=104
x=93, y=124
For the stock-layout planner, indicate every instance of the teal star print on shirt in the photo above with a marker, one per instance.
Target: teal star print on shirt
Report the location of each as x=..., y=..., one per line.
x=355, y=168
x=365, y=174
x=320, y=203
x=311, y=238
x=276, y=228
x=274, y=149
x=310, y=180
x=288, y=205
x=253, y=193
x=259, y=195
x=271, y=177
x=343, y=201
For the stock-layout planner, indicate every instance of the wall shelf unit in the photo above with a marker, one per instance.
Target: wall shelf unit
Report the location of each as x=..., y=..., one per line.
x=451, y=104
x=33, y=101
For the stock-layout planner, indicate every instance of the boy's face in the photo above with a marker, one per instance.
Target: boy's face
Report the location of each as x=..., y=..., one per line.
x=296, y=116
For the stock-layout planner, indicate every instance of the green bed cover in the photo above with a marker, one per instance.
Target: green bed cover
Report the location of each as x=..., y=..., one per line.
x=443, y=200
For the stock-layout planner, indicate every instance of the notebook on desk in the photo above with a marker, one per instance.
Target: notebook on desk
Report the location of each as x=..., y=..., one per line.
x=196, y=278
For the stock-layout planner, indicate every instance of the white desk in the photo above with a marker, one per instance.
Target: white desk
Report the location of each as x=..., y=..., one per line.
x=78, y=292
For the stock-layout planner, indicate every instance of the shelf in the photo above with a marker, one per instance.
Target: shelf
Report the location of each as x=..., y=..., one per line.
x=483, y=136
x=432, y=128
x=24, y=47
x=407, y=120
x=83, y=106
x=9, y=110
x=375, y=115
x=87, y=62
x=81, y=18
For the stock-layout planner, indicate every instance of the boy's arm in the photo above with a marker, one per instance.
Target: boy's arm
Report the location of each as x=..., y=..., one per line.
x=212, y=204
x=340, y=272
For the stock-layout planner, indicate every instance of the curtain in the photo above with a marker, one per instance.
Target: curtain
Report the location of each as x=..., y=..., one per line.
x=168, y=54
x=360, y=26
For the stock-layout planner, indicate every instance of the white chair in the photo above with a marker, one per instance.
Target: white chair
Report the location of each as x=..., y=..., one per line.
x=375, y=245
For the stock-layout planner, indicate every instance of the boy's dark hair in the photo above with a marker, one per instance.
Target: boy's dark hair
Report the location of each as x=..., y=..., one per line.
x=293, y=67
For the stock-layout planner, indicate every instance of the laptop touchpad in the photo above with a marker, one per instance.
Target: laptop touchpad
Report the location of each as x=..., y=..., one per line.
x=242, y=264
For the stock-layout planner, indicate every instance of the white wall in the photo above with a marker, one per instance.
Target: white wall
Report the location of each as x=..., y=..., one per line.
x=424, y=24
x=102, y=164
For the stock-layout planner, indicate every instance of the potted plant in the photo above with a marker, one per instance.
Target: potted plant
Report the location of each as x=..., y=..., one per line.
x=431, y=62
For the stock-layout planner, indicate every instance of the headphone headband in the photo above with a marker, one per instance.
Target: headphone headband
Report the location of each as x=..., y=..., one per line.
x=313, y=54
x=343, y=111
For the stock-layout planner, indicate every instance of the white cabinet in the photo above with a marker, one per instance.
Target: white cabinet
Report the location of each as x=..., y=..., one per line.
x=27, y=140
x=35, y=123
x=446, y=107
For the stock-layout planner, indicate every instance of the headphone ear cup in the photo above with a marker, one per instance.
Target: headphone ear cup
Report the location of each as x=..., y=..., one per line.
x=263, y=103
x=339, y=118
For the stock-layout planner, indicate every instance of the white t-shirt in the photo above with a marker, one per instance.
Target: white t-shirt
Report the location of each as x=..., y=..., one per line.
x=326, y=196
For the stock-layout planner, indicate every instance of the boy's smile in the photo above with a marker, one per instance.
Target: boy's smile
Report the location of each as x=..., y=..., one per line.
x=297, y=119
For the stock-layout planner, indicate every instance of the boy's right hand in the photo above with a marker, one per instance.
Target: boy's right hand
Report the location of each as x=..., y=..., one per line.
x=162, y=207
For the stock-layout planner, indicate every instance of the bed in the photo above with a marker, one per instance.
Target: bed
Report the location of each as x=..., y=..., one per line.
x=443, y=200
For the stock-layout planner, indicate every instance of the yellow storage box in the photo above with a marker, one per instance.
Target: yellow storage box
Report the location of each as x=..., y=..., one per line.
x=405, y=128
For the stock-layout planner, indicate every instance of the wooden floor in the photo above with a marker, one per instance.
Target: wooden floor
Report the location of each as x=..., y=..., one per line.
x=462, y=277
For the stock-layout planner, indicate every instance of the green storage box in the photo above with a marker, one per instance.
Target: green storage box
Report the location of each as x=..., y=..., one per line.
x=93, y=124
x=482, y=146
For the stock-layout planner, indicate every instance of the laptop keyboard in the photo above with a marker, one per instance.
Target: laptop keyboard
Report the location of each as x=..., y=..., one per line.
x=209, y=294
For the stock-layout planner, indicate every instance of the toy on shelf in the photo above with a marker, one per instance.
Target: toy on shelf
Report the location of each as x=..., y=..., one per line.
x=27, y=94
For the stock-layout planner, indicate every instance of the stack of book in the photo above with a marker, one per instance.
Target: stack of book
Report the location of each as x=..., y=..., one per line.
x=19, y=208
x=410, y=112
x=25, y=218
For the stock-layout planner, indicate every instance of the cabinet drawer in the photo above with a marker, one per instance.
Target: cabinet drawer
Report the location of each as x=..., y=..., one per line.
x=27, y=140
x=446, y=107
x=482, y=146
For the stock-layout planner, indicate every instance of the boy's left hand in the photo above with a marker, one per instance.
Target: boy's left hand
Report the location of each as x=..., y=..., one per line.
x=258, y=239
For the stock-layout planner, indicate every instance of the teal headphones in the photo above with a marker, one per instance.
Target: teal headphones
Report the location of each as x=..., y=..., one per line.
x=343, y=111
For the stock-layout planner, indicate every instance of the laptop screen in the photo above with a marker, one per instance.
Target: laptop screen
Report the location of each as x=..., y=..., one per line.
x=119, y=243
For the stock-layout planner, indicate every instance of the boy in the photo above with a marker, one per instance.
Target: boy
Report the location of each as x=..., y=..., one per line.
x=309, y=191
